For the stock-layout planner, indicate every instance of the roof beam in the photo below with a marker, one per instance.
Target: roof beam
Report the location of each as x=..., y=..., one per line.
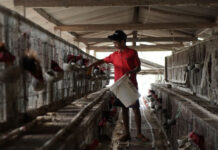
x=147, y=39
x=162, y=47
x=138, y=49
x=150, y=64
x=135, y=26
x=78, y=3
x=148, y=71
x=152, y=71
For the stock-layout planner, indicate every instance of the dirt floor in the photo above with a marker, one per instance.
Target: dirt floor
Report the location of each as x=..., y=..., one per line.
x=150, y=129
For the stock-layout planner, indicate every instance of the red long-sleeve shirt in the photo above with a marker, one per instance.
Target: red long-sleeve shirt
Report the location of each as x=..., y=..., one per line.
x=123, y=62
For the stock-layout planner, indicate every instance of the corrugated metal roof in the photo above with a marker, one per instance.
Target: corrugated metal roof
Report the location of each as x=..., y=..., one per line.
x=124, y=15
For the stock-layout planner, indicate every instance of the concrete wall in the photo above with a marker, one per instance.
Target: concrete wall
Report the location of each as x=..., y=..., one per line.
x=20, y=34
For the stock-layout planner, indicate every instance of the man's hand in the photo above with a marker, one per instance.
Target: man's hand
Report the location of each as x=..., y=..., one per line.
x=98, y=62
x=129, y=73
x=134, y=71
x=89, y=68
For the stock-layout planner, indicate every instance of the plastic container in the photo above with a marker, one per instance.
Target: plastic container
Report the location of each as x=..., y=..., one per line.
x=67, y=67
x=125, y=91
x=49, y=76
x=38, y=85
x=58, y=76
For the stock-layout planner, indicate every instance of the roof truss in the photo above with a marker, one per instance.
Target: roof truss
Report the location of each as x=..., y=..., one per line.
x=70, y=3
x=135, y=26
x=147, y=39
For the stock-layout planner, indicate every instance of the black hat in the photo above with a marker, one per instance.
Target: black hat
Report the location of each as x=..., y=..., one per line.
x=118, y=35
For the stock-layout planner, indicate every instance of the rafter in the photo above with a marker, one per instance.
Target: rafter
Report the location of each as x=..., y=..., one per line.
x=148, y=39
x=150, y=64
x=69, y=3
x=147, y=71
x=147, y=26
x=162, y=47
x=152, y=71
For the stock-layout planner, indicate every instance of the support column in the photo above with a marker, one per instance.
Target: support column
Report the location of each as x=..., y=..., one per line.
x=88, y=50
x=134, y=38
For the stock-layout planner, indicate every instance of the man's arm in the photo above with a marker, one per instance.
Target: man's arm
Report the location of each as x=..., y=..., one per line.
x=99, y=62
x=135, y=70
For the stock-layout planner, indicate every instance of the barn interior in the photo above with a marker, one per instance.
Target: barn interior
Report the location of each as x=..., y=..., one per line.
x=51, y=102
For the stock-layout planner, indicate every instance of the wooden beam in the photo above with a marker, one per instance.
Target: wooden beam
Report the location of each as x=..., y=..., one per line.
x=147, y=66
x=147, y=26
x=153, y=71
x=150, y=64
x=70, y=3
x=163, y=47
x=167, y=33
x=147, y=71
x=202, y=31
x=139, y=50
x=147, y=39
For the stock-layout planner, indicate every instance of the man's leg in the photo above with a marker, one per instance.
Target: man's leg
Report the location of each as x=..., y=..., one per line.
x=125, y=115
x=138, y=124
x=137, y=120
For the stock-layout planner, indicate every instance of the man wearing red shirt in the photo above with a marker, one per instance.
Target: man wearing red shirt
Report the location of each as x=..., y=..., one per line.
x=125, y=61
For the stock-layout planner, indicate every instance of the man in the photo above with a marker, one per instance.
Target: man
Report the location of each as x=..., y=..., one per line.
x=125, y=61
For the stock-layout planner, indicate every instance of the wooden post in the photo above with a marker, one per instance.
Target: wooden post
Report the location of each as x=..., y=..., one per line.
x=134, y=38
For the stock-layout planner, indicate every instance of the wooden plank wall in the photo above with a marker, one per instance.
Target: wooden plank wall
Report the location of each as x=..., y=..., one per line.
x=20, y=34
x=203, y=82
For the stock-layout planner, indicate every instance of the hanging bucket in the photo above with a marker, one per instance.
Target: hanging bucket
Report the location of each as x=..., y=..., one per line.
x=67, y=67
x=199, y=66
x=83, y=66
x=10, y=74
x=37, y=85
x=190, y=67
x=49, y=76
x=125, y=91
x=58, y=76
x=96, y=71
x=75, y=66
